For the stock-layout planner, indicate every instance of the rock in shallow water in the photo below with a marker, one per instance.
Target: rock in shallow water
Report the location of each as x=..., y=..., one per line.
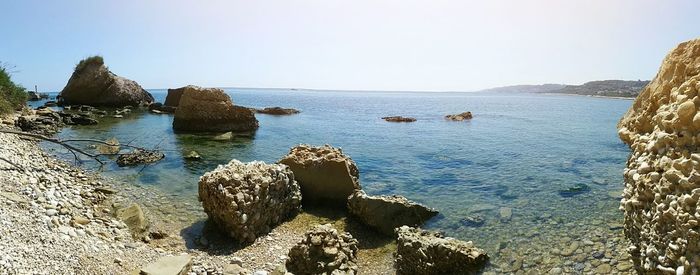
x=324, y=173
x=211, y=110
x=422, y=252
x=386, y=213
x=247, y=199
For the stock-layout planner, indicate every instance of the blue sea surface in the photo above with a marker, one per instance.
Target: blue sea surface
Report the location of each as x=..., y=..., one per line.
x=518, y=153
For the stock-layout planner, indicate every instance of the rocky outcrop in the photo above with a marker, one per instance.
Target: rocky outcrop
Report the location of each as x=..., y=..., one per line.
x=211, y=110
x=174, y=95
x=386, y=213
x=323, y=251
x=277, y=111
x=93, y=84
x=324, y=173
x=247, y=199
x=398, y=119
x=662, y=178
x=459, y=117
x=422, y=252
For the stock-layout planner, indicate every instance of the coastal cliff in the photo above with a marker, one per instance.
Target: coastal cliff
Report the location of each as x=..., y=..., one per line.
x=662, y=178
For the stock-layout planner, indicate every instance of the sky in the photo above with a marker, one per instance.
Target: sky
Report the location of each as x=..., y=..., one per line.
x=402, y=45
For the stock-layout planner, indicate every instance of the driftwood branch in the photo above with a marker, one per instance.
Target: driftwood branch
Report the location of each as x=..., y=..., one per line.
x=71, y=148
x=11, y=163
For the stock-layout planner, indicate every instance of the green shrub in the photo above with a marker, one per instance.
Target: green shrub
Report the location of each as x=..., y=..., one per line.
x=12, y=96
x=95, y=59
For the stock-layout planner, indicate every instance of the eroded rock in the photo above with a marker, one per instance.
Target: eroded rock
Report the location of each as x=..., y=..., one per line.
x=324, y=173
x=138, y=156
x=386, y=213
x=248, y=199
x=323, y=251
x=460, y=117
x=423, y=252
x=662, y=177
x=211, y=110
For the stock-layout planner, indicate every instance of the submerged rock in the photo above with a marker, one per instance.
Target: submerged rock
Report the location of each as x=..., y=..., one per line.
x=193, y=155
x=323, y=251
x=277, y=111
x=211, y=110
x=93, y=84
x=137, y=157
x=133, y=217
x=324, y=173
x=159, y=108
x=422, y=252
x=577, y=189
x=248, y=199
x=398, y=119
x=662, y=177
x=111, y=147
x=386, y=213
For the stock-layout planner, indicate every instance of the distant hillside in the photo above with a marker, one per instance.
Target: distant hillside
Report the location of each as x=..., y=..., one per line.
x=620, y=88
x=543, y=88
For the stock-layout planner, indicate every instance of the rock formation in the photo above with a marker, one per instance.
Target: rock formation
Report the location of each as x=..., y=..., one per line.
x=398, y=119
x=247, y=199
x=92, y=83
x=174, y=95
x=421, y=252
x=459, y=117
x=662, y=178
x=324, y=173
x=211, y=110
x=277, y=111
x=386, y=213
x=323, y=251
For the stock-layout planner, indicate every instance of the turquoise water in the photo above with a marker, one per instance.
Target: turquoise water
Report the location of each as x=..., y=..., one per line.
x=518, y=152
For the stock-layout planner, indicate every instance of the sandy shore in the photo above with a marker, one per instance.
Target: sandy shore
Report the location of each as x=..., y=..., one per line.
x=55, y=220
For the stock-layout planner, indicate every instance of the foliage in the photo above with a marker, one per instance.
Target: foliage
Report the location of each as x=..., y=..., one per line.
x=95, y=59
x=12, y=96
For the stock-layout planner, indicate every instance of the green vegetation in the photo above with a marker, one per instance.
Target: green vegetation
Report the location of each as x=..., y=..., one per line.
x=12, y=96
x=95, y=59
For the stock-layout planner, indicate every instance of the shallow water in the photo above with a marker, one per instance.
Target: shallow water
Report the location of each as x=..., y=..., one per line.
x=518, y=152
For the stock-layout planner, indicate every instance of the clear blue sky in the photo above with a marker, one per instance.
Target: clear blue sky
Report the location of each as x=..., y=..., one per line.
x=333, y=44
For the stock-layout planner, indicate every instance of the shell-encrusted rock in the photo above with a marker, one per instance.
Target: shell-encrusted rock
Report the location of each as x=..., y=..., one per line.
x=662, y=180
x=324, y=251
x=421, y=252
x=247, y=199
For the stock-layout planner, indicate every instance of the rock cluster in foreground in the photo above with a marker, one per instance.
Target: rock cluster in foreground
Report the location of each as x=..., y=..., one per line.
x=324, y=173
x=247, y=199
x=386, y=213
x=323, y=251
x=211, y=110
x=662, y=178
x=421, y=252
x=92, y=83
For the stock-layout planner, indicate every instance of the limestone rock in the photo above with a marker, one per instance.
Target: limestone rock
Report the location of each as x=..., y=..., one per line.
x=324, y=173
x=211, y=110
x=386, y=213
x=323, y=251
x=174, y=95
x=422, y=252
x=133, y=217
x=92, y=83
x=459, y=117
x=247, y=199
x=662, y=177
x=169, y=265
x=398, y=119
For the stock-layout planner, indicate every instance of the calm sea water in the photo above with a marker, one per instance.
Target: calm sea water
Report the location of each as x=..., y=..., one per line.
x=517, y=153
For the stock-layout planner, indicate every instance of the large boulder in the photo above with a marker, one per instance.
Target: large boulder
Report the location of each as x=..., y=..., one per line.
x=323, y=251
x=386, y=213
x=92, y=83
x=174, y=95
x=324, y=173
x=422, y=252
x=211, y=110
x=247, y=199
x=662, y=177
